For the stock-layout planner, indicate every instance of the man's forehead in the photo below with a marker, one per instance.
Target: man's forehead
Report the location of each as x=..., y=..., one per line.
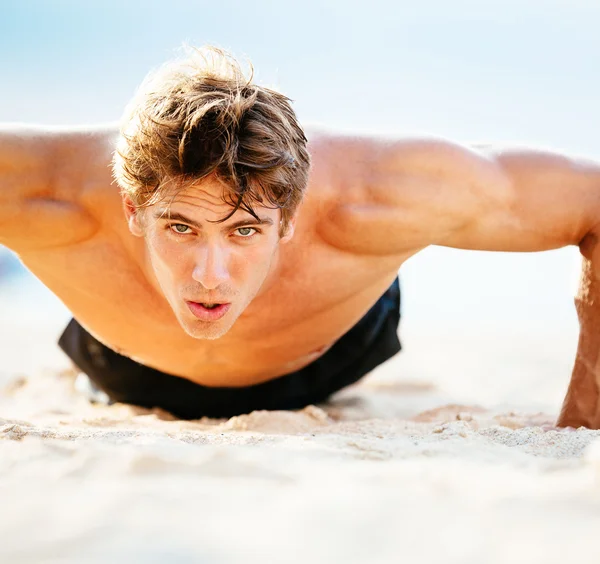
x=209, y=192
x=207, y=197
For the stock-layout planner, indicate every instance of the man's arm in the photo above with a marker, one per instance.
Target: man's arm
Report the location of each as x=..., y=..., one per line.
x=553, y=201
x=430, y=192
x=581, y=406
x=45, y=177
x=412, y=194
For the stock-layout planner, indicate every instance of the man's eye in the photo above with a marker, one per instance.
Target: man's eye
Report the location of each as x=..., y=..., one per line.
x=246, y=231
x=179, y=228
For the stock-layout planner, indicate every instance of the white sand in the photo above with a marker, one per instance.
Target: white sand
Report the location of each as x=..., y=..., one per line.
x=392, y=470
x=368, y=478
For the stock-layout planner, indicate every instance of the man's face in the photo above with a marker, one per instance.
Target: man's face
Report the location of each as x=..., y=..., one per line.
x=209, y=272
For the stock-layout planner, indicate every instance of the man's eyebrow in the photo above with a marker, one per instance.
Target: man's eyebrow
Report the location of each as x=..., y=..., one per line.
x=176, y=216
x=250, y=221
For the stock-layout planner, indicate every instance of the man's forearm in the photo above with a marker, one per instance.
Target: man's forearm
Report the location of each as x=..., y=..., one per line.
x=581, y=406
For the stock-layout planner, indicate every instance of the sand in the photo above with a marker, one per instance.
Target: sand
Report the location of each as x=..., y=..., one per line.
x=369, y=477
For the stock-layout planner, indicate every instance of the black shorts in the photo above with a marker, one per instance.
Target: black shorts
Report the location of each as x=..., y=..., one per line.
x=370, y=342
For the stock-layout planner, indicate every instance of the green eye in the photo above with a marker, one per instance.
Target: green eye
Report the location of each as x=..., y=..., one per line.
x=180, y=227
x=246, y=231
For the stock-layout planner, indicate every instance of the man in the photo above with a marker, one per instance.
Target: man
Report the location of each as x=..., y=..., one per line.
x=218, y=278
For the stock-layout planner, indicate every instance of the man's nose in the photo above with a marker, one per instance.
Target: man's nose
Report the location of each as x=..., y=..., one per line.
x=211, y=266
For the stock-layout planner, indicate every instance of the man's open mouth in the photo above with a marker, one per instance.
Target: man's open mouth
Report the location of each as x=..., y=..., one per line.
x=208, y=311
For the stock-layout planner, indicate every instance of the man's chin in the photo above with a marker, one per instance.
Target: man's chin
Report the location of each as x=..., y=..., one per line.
x=206, y=330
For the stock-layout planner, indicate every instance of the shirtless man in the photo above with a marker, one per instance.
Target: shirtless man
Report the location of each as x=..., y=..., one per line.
x=217, y=278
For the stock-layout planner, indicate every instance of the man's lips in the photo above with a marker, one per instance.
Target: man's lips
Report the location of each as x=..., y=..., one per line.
x=208, y=314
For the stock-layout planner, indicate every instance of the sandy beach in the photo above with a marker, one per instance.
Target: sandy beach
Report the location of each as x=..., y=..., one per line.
x=430, y=458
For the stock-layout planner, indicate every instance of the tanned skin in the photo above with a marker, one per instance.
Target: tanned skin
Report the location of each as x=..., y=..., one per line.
x=370, y=205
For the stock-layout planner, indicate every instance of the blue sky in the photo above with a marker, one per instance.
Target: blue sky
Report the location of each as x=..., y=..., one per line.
x=510, y=71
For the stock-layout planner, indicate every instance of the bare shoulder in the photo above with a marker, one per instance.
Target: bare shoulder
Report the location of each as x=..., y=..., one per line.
x=382, y=194
x=368, y=153
x=47, y=177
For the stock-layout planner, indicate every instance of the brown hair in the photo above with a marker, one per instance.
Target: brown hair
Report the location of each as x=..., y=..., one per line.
x=202, y=116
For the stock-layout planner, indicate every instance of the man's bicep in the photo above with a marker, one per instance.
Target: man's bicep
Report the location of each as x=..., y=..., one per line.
x=540, y=201
x=42, y=175
x=37, y=224
x=396, y=196
x=433, y=192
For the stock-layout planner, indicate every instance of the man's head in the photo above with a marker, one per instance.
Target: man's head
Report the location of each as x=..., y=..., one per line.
x=212, y=169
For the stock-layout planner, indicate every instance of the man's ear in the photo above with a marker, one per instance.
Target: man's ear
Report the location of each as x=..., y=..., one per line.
x=289, y=233
x=132, y=213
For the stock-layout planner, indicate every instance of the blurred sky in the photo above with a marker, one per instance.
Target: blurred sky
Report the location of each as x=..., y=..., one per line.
x=523, y=71
x=499, y=71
